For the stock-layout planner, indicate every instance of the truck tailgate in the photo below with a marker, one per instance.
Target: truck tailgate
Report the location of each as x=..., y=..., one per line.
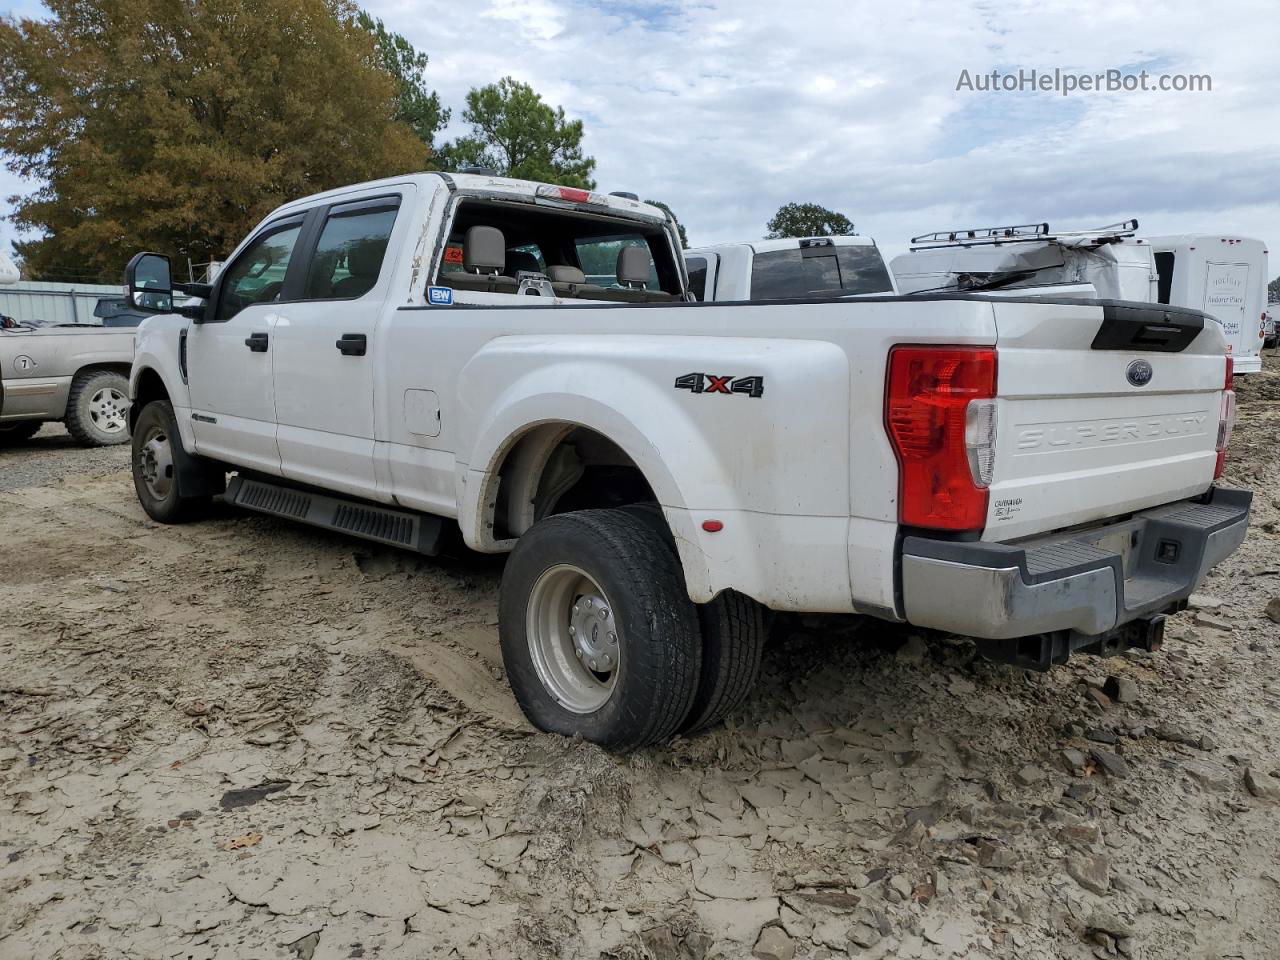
x=1104, y=408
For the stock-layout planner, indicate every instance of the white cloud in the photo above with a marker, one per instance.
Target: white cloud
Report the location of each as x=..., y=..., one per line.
x=728, y=108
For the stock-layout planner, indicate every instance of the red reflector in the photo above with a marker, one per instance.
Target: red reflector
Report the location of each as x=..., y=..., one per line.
x=927, y=395
x=1231, y=374
x=574, y=196
x=712, y=526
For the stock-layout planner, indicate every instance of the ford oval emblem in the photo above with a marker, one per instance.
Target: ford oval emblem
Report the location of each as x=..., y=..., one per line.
x=1140, y=373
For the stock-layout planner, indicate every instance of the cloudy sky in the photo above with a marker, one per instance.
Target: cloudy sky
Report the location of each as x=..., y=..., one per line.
x=727, y=109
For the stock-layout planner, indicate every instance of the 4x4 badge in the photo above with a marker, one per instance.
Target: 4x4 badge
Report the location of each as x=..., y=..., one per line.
x=713, y=383
x=1140, y=373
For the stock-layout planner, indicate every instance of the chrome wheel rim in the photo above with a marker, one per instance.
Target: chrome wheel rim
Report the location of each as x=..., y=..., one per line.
x=575, y=641
x=155, y=463
x=109, y=410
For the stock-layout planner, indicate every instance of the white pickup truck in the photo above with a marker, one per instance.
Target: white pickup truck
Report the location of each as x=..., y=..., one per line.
x=787, y=269
x=396, y=358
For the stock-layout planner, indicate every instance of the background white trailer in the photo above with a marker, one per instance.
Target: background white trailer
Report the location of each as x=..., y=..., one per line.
x=1226, y=277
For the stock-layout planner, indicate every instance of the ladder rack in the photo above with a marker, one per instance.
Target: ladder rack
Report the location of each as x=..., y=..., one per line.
x=1019, y=233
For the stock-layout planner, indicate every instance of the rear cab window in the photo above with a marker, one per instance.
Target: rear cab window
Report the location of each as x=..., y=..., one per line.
x=577, y=254
x=815, y=268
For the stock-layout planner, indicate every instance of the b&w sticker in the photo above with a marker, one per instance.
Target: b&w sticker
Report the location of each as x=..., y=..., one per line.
x=23, y=362
x=440, y=296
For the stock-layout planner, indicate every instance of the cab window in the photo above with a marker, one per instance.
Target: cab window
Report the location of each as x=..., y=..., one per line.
x=598, y=257
x=352, y=246
x=577, y=253
x=257, y=275
x=697, y=267
x=818, y=270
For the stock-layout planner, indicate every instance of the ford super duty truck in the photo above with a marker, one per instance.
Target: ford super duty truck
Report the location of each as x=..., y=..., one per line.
x=402, y=358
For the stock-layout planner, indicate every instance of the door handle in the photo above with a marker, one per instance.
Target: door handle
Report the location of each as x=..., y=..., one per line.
x=257, y=342
x=352, y=344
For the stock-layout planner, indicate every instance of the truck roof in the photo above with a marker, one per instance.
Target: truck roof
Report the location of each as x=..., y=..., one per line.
x=491, y=185
x=1190, y=239
x=785, y=243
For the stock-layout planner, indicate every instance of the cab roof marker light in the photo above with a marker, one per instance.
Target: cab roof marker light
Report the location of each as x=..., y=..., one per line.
x=572, y=194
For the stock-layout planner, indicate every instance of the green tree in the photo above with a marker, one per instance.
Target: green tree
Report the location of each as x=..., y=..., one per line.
x=1273, y=291
x=807, y=220
x=175, y=125
x=515, y=133
x=416, y=105
x=684, y=236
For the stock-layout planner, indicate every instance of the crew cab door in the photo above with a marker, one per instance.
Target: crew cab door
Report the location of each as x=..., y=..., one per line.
x=229, y=356
x=324, y=347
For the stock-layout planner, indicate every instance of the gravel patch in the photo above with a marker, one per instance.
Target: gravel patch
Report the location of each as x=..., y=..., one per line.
x=52, y=456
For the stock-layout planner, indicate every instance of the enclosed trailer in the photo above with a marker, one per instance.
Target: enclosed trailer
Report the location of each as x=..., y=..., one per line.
x=1226, y=277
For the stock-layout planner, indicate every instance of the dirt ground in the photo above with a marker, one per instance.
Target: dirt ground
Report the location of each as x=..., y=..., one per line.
x=244, y=739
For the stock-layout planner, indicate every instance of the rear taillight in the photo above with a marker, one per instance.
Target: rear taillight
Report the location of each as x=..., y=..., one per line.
x=940, y=413
x=1226, y=418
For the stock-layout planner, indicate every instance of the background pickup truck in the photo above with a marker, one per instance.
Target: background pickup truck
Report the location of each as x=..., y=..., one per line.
x=79, y=375
x=789, y=269
x=421, y=355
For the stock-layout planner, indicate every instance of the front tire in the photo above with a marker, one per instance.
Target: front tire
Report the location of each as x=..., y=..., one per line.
x=98, y=409
x=599, y=637
x=156, y=477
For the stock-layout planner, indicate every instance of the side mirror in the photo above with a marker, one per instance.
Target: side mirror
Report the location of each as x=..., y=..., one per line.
x=149, y=284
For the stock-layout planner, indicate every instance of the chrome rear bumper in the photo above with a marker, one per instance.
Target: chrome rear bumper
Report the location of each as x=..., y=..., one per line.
x=1079, y=581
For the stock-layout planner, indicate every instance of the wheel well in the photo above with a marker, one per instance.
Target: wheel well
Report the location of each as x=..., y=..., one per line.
x=120, y=368
x=559, y=467
x=150, y=387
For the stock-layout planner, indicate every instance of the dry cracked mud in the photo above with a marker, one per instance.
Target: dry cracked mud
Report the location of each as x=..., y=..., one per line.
x=244, y=739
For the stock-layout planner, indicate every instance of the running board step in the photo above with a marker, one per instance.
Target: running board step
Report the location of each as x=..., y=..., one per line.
x=419, y=532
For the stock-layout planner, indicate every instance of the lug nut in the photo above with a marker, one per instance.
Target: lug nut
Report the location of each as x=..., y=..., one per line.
x=593, y=665
x=573, y=631
x=613, y=638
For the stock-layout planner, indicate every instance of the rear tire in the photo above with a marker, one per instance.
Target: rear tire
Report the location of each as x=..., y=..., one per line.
x=98, y=409
x=602, y=587
x=156, y=477
x=734, y=630
x=18, y=431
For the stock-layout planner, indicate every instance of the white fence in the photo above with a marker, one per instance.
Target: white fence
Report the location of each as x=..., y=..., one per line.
x=30, y=300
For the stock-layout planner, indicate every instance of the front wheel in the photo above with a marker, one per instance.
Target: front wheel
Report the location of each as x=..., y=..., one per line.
x=98, y=409
x=156, y=478
x=599, y=637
